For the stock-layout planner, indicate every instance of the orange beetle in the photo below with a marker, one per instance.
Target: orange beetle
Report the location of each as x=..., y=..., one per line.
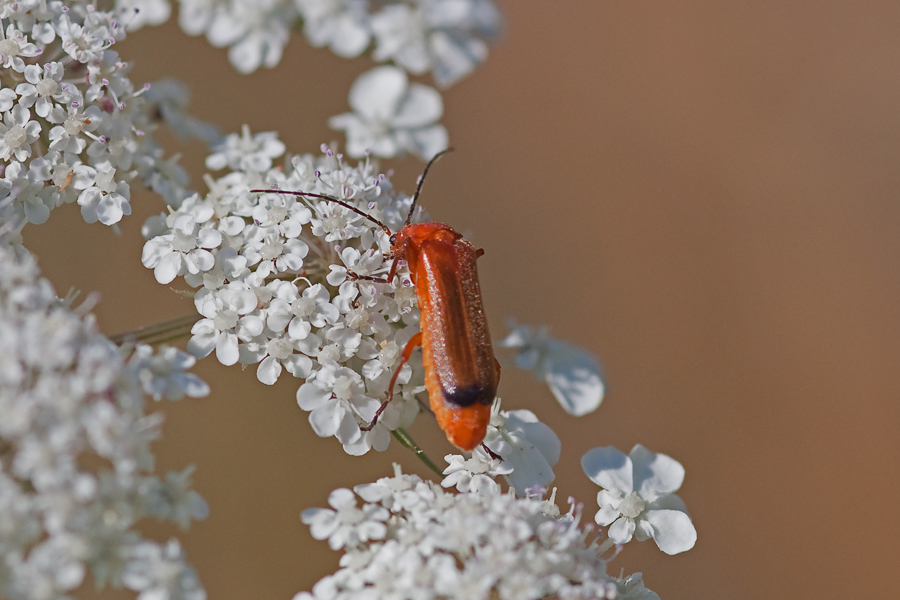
x=461, y=373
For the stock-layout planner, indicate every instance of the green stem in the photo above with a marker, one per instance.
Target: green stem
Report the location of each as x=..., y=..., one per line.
x=407, y=442
x=160, y=333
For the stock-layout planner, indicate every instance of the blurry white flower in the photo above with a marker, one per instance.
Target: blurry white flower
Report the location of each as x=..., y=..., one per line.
x=137, y=13
x=391, y=116
x=342, y=25
x=255, y=31
x=447, y=37
x=164, y=374
x=160, y=572
x=171, y=99
x=572, y=373
x=638, y=497
x=77, y=474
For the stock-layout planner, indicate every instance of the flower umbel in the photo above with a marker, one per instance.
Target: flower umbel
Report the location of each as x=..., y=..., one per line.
x=412, y=539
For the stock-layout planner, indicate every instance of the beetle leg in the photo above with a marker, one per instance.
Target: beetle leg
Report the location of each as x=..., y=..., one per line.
x=491, y=452
x=479, y=253
x=354, y=277
x=414, y=341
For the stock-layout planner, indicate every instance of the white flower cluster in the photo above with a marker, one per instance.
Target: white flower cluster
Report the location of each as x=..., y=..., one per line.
x=76, y=471
x=390, y=116
x=74, y=128
x=411, y=539
x=270, y=272
x=445, y=37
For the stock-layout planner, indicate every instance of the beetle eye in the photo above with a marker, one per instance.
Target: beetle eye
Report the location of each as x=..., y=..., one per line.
x=394, y=240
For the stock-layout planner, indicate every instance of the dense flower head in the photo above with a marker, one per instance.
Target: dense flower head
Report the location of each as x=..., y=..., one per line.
x=409, y=538
x=270, y=273
x=76, y=471
x=73, y=126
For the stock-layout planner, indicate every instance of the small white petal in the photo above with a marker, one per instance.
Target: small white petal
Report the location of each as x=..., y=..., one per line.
x=310, y=396
x=574, y=378
x=621, y=531
x=227, y=348
x=655, y=474
x=169, y=267
x=421, y=106
x=606, y=515
x=673, y=530
x=608, y=468
x=376, y=93
x=268, y=370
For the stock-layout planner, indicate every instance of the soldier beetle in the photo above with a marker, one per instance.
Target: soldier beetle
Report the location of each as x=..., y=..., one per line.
x=461, y=372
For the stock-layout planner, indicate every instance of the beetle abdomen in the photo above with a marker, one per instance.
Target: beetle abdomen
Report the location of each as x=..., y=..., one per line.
x=461, y=373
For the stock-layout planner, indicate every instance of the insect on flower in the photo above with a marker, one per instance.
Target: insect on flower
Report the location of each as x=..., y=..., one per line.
x=461, y=372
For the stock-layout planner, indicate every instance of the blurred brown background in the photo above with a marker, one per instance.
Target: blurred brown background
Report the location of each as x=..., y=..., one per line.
x=707, y=195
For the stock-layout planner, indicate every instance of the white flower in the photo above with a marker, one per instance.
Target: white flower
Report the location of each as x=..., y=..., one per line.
x=638, y=497
x=171, y=99
x=476, y=473
x=68, y=398
x=336, y=399
x=42, y=87
x=529, y=448
x=164, y=374
x=279, y=352
x=83, y=42
x=245, y=152
x=137, y=13
x=174, y=500
x=572, y=373
x=104, y=198
x=160, y=572
x=26, y=187
x=185, y=250
x=18, y=132
x=346, y=525
x=340, y=24
x=229, y=318
x=255, y=32
x=14, y=47
x=391, y=116
x=446, y=37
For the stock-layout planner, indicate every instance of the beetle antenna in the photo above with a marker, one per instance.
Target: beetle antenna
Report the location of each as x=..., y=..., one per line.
x=330, y=199
x=422, y=180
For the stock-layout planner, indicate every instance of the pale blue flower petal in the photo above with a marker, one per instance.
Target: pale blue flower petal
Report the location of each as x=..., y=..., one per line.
x=673, y=530
x=609, y=468
x=655, y=474
x=621, y=531
x=573, y=375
